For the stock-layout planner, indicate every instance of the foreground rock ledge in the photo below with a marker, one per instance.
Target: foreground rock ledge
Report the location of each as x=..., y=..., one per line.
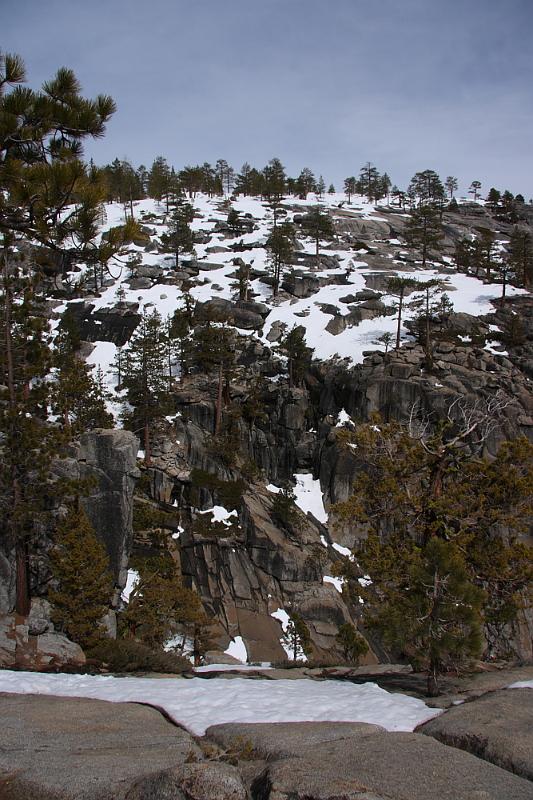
x=54, y=748
x=497, y=727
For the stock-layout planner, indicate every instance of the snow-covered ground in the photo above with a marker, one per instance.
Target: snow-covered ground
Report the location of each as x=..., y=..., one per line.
x=467, y=294
x=198, y=703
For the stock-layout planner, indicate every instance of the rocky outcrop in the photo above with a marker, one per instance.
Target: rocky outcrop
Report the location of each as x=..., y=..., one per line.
x=496, y=727
x=106, y=460
x=76, y=749
x=322, y=761
x=31, y=642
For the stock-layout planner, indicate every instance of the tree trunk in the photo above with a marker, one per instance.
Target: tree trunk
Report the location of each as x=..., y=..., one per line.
x=218, y=414
x=147, y=452
x=433, y=689
x=400, y=304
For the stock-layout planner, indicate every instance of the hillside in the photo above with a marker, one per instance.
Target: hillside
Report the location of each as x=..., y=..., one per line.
x=212, y=493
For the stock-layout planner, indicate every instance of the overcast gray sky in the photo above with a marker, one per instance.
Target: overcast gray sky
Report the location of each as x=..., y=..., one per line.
x=406, y=84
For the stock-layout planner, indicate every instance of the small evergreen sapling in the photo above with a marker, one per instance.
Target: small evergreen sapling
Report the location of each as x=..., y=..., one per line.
x=296, y=637
x=351, y=643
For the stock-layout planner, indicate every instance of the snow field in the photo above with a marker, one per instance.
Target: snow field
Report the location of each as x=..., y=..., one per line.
x=197, y=703
x=468, y=294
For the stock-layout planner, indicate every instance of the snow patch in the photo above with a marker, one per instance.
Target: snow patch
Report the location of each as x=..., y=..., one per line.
x=198, y=703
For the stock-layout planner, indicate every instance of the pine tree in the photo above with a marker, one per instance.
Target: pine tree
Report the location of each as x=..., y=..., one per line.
x=160, y=605
x=180, y=237
x=350, y=188
x=369, y=182
x=319, y=225
x=399, y=287
x=80, y=569
x=305, y=183
x=296, y=637
x=427, y=188
x=280, y=246
x=493, y=198
x=213, y=349
x=158, y=179
x=451, y=185
x=475, y=186
x=521, y=255
x=299, y=355
x=145, y=377
x=351, y=643
x=434, y=509
x=424, y=230
x=275, y=179
x=320, y=187
x=78, y=399
x=428, y=305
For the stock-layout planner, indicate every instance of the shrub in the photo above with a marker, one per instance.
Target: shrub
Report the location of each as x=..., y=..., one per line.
x=127, y=655
x=352, y=644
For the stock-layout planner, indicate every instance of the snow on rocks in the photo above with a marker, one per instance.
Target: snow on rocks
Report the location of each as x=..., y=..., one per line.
x=131, y=582
x=308, y=496
x=336, y=582
x=220, y=514
x=237, y=649
x=197, y=703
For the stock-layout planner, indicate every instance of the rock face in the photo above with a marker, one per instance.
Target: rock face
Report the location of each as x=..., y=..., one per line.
x=328, y=761
x=72, y=749
x=496, y=727
x=31, y=642
x=262, y=565
x=109, y=457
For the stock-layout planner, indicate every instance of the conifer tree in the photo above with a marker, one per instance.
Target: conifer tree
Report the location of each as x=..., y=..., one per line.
x=521, y=255
x=77, y=398
x=280, y=246
x=399, y=287
x=427, y=188
x=145, y=377
x=424, y=230
x=350, y=188
x=451, y=185
x=319, y=225
x=80, y=569
x=320, y=187
x=275, y=179
x=243, y=181
x=296, y=637
x=180, y=237
x=351, y=643
x=475, y=186
x=213, y=349
x=159, y=179
x=305, y=183
x=299, y=355
x=159, y=605
x=433, y=507
x=493, y=198
x=428, y=305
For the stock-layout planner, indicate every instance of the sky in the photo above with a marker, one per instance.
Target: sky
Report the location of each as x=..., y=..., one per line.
x=406, y=84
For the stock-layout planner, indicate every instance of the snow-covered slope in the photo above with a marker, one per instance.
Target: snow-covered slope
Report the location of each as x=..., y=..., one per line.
x=353, y=273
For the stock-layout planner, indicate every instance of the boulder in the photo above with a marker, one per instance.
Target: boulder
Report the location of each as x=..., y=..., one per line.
x=201, y=781
x=386, y=766
x=22, y=646
x=56, y=748
x=497, y=727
